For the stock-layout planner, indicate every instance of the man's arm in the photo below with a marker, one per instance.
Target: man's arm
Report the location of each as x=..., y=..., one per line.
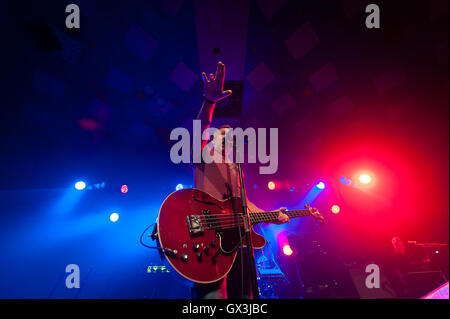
x=253, y=208
x=205, y=115
x=213, y=92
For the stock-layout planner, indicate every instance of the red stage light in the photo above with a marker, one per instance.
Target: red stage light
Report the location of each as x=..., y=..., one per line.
x=335, y=209
x=271, y=185
x=365, y=179
x=287, y=250
x=124, y=189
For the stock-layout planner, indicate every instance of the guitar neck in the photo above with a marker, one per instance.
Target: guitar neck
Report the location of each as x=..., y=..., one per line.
x=264, y=217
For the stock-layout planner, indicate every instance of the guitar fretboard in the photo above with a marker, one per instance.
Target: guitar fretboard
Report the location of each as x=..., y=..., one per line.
x=261, y=217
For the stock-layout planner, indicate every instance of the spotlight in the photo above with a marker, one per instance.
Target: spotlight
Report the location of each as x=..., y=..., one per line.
x=335, y=209
x=179, y=186
x=114, y=217
x=287, y=250
x=321, y=185
x=271, y=185
x=80, y=185
x=365, y=179
x=124, y=189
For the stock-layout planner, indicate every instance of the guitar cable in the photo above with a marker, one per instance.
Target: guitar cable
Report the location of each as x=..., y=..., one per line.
x=142, y=235
x=154, y=235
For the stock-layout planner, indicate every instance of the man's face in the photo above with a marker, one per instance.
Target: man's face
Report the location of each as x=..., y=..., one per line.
x=220, y=139
x=397, y=243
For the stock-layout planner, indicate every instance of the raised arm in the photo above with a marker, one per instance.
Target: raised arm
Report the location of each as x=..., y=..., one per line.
x=212, y=93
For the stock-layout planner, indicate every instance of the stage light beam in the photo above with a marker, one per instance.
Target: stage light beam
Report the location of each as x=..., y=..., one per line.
x=179, y=186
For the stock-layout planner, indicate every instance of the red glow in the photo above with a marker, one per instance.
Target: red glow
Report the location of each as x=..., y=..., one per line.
x=89, y=124
x=287, y=250
x=124, y=189
x=271, y=185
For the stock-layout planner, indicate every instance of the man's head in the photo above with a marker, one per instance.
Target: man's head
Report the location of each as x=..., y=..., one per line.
x=220, y=137
x=398, y=244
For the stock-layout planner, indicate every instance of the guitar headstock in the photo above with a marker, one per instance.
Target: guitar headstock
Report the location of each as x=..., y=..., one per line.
x=316, y=214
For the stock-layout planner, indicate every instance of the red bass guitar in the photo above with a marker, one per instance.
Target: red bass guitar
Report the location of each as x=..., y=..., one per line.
x=200, y=234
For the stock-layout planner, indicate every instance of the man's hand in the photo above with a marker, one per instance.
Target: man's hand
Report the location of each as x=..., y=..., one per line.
x=282, y=217
x=214, y=84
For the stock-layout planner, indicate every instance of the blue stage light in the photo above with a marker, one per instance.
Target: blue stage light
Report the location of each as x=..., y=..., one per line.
x=80, y=185
x=179, y=186
x=321, y=185
x=114, y=217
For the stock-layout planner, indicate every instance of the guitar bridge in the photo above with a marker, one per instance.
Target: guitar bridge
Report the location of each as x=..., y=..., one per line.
x=195, y=226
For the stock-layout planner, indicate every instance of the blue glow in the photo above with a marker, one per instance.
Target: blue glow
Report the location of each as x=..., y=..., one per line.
x=311, y=196
x=321, y=185
x=80, y=185
x=179, y=186
x=345, y=181
x=68, y=200
x=114, y=217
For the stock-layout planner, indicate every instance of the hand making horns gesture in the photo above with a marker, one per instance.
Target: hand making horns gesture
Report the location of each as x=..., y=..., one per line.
x=214, y=84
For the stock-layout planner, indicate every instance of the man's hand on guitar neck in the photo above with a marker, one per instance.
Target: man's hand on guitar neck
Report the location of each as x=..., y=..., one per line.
x=282, y=217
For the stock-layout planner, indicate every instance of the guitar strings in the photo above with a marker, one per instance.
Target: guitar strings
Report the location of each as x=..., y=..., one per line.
x=257, y=215
x=218, y=225
x=230, y=221
x=223, y=220
x=227, y=221
x=303, y=211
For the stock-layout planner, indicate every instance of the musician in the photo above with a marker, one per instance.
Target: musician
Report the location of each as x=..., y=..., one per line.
x=221, y=181
x=397, y=267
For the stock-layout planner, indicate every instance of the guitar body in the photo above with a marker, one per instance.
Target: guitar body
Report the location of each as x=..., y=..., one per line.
x=202, y=246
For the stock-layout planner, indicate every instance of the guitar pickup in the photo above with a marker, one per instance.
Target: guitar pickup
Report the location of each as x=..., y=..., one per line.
x=195, y=225
x=211, y=221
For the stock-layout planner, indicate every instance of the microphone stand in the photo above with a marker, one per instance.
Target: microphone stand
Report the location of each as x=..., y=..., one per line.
x=247, y=227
